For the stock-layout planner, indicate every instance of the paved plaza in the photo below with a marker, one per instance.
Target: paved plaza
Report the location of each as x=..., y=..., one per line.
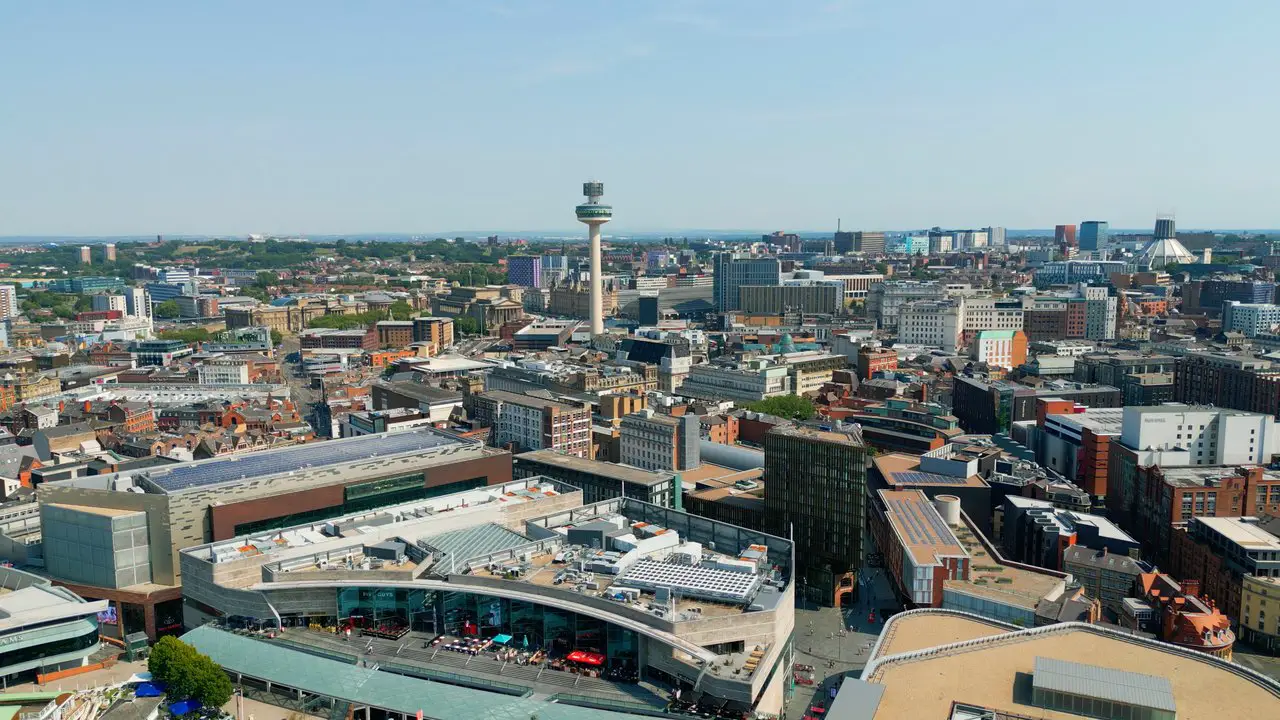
x=837, y=641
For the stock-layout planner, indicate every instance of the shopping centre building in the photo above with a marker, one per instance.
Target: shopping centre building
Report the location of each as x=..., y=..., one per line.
x=515, y=588
x=44, y=629
x=117, y=537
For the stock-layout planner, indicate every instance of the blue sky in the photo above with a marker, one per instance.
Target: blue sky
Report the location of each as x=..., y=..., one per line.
x=331, y=117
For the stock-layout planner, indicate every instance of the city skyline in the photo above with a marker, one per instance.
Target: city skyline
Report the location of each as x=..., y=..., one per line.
x=327, y=119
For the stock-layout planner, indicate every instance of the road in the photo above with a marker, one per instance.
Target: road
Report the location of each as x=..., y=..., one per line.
x=299, y=385
x=1268, y=665
x=469, y=347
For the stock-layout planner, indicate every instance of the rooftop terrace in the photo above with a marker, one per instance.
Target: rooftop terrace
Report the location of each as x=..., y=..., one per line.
x=992, y=578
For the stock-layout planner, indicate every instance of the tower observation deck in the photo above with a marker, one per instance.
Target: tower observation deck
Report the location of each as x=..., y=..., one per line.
x=595, y=213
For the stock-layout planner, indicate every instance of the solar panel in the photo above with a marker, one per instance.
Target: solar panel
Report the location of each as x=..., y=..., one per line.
x=312, y=455
x=916, y=477
x=921, y=526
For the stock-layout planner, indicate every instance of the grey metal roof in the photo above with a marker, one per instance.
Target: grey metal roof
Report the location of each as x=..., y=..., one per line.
x=362, y=686
x=462, y=545
x=856, y=700
x=1131, y=688
x=296, y=457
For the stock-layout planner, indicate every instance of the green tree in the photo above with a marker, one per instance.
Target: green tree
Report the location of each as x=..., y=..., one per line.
x=466, y=325
x=190, y=335
x=277, y=337
x=167, y=309
x=188, y=673
x=266, y=279
x=346, y=322
x=792, y=407
x=401, y=310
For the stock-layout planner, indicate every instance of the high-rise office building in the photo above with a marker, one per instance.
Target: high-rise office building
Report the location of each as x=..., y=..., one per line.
x=555, y=268
x=108, y=301
x=1094, y=235
x=733, y=272
x=137, y=302
x=868, y=242
x=815, y=489
x=9, y=302
x=524, y=270
x=996, y=236
x=1065, y=235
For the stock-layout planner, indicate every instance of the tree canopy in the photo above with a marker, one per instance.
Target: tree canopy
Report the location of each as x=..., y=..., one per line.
x=401, y=310
x=190, y=335
x=346, y=322
x=792, y=407
x=466, y=325
x=167, y=309
x=187, y=673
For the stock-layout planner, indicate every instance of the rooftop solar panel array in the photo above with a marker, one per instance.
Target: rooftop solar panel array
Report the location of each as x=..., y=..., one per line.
x=272, y=462
x=691, y=580
x=922, y=525
x=916, y=477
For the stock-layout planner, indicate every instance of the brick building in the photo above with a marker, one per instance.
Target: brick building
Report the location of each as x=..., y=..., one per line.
x=394, y=333
x=1240, y=382
x=1153, y=503
x=872, y=360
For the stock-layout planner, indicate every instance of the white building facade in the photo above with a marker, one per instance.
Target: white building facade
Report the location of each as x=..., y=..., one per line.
x=9, y=306
x=1252, y=319
x=932, y=324
x=1182, y=435
x=751, y=382
x=223, y=371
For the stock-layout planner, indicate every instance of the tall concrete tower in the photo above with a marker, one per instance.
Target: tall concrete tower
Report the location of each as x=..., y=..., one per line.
x=595, y=213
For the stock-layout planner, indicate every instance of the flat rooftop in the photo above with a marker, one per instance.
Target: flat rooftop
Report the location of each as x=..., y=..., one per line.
x=518, y=399
x=711, y=475
x=1101, y=421
x=407, y=518
x=917, y=631
x=106, y=512
x=991, y=673
x=1206, y=476
x=1242, y=531
x=308, y=456
x=899, y=469
x=1068, y=520
x=992, y=579
x=919, y=527
x=616, y=471
x=851, y=434
x=446, y=364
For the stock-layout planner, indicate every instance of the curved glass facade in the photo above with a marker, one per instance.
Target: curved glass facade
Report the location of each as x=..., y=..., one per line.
x=40, y=651
x=469, y=614
x=594, y=211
